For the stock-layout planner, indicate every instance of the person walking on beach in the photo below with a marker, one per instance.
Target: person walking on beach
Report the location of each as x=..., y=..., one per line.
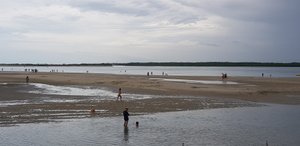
x=119, y=94
x=126, y=118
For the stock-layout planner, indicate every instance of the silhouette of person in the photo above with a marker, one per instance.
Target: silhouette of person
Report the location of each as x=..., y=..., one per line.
x=126, y=117
x=136, y=124
x=27, y=79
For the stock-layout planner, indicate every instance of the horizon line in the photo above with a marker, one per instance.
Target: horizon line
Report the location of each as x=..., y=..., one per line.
x=279, y=64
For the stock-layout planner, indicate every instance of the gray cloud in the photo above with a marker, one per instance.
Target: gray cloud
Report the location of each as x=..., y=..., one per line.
x=142, y=30
x=111, y=7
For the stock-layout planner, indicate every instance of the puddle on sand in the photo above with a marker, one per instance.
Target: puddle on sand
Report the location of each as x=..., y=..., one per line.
x=69, y=90
x=93, y=93
x=13, y=102
x=197, y=81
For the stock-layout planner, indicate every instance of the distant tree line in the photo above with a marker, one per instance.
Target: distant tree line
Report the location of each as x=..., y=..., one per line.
x=221, y=64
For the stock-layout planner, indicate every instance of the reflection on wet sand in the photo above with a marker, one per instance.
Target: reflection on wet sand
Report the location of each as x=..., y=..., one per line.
x=126, y=134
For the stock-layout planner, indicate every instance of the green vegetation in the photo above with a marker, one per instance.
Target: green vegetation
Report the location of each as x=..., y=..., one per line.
x=81, y=64
x=221, y=64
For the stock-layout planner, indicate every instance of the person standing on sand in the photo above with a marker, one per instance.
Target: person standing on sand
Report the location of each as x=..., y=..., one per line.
x=27, y=79
x=126, y=118
x=93, y=110
x=119, y=94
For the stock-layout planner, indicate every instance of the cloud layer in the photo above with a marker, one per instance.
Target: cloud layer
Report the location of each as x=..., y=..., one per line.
x=75, y=31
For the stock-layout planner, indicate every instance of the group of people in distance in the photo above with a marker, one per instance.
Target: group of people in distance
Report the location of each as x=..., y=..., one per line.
x=224, y=76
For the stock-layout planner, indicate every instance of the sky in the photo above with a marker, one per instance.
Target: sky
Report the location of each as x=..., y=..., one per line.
x=120, y=31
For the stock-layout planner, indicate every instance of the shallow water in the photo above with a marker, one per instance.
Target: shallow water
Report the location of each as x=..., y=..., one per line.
x=277, y=124
x=69, y=90
x=94, y=93
x=80, y=91
x=176, y=70
x=70, y=94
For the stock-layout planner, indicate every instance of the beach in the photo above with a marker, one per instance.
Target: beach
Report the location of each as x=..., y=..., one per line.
x=257, y=89
x=26, y=103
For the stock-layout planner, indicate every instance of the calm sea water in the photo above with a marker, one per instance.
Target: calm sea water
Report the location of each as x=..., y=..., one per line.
x=277, y=124
x=157, y=70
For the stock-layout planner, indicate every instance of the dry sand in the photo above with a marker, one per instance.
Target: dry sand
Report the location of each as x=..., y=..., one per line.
x=174, y=96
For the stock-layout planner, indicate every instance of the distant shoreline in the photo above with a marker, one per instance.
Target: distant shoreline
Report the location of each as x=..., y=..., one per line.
x=174, y=64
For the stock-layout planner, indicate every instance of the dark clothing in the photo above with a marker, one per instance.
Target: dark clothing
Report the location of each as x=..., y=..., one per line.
x=126, y=114
x=27, y=79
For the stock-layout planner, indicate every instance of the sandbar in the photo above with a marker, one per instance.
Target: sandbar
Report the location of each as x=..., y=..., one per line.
x=172, y=95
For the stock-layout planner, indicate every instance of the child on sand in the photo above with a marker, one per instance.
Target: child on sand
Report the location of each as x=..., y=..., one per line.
x=27, y=79
x=93, y=109
x=119, y=94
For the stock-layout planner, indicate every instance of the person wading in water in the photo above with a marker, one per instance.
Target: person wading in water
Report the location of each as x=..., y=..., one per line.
x=126, y=118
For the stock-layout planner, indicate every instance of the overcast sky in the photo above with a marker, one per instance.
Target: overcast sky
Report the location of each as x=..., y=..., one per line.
x=96, y=31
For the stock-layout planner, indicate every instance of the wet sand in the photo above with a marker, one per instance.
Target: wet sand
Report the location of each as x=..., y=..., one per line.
x=172, y=96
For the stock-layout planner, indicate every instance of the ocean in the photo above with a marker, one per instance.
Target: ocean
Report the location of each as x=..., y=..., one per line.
x=171, y=71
